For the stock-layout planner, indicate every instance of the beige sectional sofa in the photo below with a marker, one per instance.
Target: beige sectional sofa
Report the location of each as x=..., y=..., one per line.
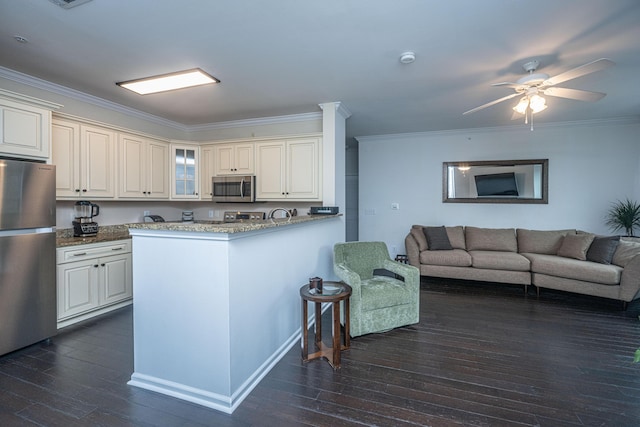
x=567, y=260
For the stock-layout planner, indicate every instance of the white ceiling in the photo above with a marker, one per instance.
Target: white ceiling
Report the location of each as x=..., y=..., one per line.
x=283, y=57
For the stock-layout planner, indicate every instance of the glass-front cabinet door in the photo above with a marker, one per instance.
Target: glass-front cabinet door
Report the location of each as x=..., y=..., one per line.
x=185, y=182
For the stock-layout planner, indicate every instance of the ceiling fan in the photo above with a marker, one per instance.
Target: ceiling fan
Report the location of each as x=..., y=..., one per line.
x=533, y=85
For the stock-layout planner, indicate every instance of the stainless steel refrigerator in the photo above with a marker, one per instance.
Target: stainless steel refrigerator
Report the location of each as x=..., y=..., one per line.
x=27, y=253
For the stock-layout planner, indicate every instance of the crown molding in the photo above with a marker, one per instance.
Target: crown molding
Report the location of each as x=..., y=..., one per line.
x=29, y=100
x=109, y=105
x=339, y=107
x=618, y=121
x=303, y=117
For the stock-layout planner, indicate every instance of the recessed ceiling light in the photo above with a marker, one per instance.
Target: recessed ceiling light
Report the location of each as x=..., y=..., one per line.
x=20, y=39
x=167, y=82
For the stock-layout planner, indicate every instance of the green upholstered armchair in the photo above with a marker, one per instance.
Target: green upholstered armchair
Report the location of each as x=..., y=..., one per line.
x=378, y=302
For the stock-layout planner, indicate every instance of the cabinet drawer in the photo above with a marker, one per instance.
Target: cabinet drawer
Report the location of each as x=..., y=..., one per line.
x=94, y=250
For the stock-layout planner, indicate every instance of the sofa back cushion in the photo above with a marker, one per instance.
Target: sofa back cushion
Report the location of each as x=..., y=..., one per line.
x=455, y=234
x=418, y=235
x=491, y=239
x=625, y=252
x=541, y=241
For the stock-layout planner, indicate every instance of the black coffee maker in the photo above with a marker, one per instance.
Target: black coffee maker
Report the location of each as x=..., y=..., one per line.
x=83, y=224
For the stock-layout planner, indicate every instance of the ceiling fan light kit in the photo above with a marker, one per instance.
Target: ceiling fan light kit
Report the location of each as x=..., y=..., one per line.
x=533, y=85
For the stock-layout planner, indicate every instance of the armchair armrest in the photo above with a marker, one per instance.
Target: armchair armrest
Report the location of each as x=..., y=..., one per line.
x=352, y=279
x=410, y=273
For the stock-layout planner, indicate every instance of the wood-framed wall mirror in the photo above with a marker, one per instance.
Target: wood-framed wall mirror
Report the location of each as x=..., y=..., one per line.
x=496, y=181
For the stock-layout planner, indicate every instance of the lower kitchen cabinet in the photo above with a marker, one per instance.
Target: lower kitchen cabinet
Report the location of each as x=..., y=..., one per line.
x=93, y=279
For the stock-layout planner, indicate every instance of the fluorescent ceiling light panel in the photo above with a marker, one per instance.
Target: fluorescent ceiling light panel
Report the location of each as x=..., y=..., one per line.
x=166, y=82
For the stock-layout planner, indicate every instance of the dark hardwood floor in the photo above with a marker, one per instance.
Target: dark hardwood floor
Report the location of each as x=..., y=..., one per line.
x=482, y=355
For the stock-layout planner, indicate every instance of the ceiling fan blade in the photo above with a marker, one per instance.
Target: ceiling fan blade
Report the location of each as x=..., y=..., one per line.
x=489, y=104
x=510, y=84
x=591, y=67
x=580, y=95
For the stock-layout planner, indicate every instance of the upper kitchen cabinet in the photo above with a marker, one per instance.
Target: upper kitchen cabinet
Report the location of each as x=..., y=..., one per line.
x=144, y=168
x=234, y=159
x=25, y=125
x=207, y=167
x=289, y=170
x=84, y=156
x=184, y=171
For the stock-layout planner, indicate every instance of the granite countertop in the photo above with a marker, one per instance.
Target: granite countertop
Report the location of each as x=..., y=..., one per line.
x=109, y=233
x=228, y=227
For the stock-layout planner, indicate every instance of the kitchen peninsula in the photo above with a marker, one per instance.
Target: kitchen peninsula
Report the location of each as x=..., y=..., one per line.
x=217, y=305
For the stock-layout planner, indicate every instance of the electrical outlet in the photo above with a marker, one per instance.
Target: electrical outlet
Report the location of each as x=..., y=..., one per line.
x=145, y=213
x=395, y=206
x=210, y=213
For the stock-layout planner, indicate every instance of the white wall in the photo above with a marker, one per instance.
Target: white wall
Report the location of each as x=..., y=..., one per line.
x=591, y=165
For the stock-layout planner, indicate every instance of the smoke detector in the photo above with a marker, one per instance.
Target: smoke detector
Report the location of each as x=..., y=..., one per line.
x=68, y=4
x=407, y=57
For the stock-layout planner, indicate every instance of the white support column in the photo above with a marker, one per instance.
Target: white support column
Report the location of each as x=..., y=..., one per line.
x=334, y=116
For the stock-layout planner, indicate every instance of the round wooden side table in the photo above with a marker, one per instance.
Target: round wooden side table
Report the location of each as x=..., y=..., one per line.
x=332, y=292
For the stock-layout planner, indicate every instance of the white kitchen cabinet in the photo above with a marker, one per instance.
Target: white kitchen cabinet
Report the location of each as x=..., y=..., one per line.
x=25, y=125
x=207, y=167
x=234, y=159
x=185, y=182
x=93, y=279
x=144, y=168
x=84, y=156
x=289, y=170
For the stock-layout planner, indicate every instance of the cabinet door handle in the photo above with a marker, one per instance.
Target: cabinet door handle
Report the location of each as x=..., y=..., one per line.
x=102, y=264
x=116, y=249
x=80, y=254
x=77, y=190
x=95, y=265
x=84, y=190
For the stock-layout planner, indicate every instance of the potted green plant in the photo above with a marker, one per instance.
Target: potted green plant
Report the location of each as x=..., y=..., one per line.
x=624, y=215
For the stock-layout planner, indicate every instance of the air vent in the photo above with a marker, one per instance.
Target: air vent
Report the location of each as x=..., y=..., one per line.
x=68, y=4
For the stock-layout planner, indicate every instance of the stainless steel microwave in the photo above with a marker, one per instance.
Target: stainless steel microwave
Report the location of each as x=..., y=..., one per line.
x=234, y=189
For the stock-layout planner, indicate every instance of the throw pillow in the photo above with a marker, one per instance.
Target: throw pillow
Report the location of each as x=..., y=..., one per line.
x=624, y=252
x=602, y=249
x=437, y=238
x=575, y=246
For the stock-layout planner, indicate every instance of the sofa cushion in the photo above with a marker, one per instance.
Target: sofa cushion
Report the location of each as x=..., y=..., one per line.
x=625, y=252
x=455, y=234
x=541, y=241
x=382, y=291
x=437, y=239
x=453, y=258
x=456, y=237
x=491, y=239
x=420, y=238
x=575, y=246
x=496, y=260
x=602, y=249
x=569, y=268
